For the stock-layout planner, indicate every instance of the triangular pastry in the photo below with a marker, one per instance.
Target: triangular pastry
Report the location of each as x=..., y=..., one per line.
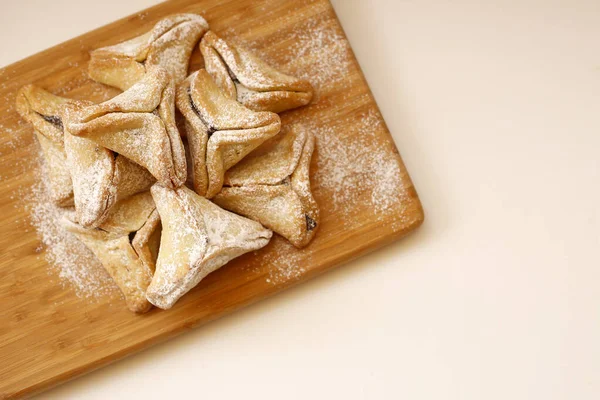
x=100, y=178
x=42, y=110
x=113, y=245
x=93, y=173
x=271, y=185
x=220, y=131
x=198, y=237
x=169, y=44
x=138, y=124
x=250, y=80
x=137, y=214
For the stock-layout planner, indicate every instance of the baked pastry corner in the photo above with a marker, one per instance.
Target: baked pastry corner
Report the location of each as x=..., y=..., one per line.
x=198, y=237
x=272, y=186
x=168, y=44
x=42, y=109
x=112, y=245
x=251, y=81
x=138, y=124
x=220, y=131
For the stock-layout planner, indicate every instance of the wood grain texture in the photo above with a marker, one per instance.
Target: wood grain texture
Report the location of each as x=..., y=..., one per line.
x=49, y=335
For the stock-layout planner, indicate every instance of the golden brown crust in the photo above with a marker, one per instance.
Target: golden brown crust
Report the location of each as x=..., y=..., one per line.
x=249, y=80
x=159, y=244
x=272, y=187
x=120, y=261
x=129, y=215
x=219, y=130
x=131, y=178
x=92, y=170
x=129, y=262
x=59, y=181
x=138, y=124
x=100, y=178
x=168, y=44
x=42, y=110
x=197, y=238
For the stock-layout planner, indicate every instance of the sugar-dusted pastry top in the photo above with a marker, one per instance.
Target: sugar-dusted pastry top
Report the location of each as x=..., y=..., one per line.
x=169, y=45
x=198, y=238
x=251, y=81
x=112, y=244
x=119, y=168
x=139, y=124
x=219, y=130
x=42, y=109
x=272, y=186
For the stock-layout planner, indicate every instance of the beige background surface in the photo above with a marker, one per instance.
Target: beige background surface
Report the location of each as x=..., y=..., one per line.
x=495, y=107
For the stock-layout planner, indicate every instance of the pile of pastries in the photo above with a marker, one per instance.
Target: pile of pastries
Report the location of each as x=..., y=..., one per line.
x=161, y=206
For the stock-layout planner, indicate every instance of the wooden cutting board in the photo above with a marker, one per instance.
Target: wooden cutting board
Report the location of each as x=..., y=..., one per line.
x=49, y=333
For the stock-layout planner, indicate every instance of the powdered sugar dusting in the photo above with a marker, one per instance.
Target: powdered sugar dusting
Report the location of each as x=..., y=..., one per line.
x=319, y=52
x=284, y=261
x=353, y=170
x=349, y=168
x=325, y=46
x=201, y=238
x=10, y=139
x=352, y=165
x=70, y=259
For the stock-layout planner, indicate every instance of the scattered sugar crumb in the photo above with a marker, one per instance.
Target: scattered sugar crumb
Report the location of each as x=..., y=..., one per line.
x=349, y=160
x=319, y=51
x=67, y=257
x=324, y=44
x=352, y=169
x=284, y=261
x=349, y=168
